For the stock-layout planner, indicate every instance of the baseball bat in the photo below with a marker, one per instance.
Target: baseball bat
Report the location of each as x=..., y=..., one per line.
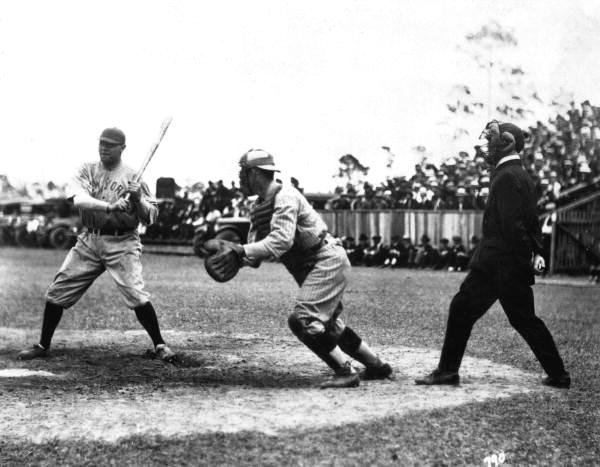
x=163, y=129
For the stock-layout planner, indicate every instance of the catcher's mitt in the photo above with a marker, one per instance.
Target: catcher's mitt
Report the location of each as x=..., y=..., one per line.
x=224, y=259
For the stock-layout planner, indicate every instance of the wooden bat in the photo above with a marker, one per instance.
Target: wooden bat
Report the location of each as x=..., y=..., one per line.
x=163, y=129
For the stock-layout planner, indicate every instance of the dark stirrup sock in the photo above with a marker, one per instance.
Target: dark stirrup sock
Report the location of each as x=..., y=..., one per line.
x=147, y=317
x=351, y=344
x=52, y=315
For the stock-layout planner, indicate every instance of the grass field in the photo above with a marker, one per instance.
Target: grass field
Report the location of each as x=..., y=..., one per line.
x=244, y=393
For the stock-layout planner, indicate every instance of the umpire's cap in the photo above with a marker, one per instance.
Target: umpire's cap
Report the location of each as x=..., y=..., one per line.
x=113, y=136
x=258, y=158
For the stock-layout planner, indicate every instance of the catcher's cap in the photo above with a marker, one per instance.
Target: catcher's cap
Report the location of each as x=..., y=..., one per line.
x=259, y=158
x=112, y=136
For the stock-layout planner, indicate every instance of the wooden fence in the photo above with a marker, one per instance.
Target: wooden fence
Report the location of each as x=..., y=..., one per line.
x=387, y=223
x=575, y=236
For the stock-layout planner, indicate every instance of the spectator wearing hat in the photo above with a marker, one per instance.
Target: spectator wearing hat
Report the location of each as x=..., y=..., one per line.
x=444, y=254
x=472, y=193
x=553, y=184
x=376, y=252
x=396, y=255
x=411, y=251
x=426, y=255
x=339, y=200
x=422, y=200
x=358, y=254
x=459, y=258
x=349, y=244
x=449, y=200
x=482, y=196
x=462, y=198
x=585, y=172
x=407, y=201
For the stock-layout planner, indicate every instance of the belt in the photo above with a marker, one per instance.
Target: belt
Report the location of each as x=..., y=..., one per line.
x=114, y=232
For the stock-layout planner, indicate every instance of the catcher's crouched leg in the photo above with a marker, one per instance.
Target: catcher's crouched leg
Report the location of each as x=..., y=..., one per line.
x=312, y=333
x=358, y=349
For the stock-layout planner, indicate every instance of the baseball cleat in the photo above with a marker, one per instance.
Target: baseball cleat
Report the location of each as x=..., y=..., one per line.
x=439, y=377
x=376, y=372
x=563, y=381
x=165, y=353
x=345, y=377
x=37, y=351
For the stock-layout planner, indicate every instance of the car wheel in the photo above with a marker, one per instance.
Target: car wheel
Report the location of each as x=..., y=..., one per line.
x=60, y=238
x=20, y=236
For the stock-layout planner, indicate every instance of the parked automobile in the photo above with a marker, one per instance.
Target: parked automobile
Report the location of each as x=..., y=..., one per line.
x=11, y=219
x=57, y=225
x=233, y=229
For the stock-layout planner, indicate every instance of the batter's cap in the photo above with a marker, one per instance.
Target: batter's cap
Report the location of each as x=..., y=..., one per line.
x=113, y=136
x=259, y=158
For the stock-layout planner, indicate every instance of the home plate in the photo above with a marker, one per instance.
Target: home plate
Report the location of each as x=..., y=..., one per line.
x=186, y=409
x=24, y=373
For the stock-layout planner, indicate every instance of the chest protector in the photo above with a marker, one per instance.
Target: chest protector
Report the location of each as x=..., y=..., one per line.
x=298, y=261
x=262, y=213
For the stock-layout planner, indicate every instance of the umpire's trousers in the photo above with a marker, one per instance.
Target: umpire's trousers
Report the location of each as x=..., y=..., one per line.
x=477, y=294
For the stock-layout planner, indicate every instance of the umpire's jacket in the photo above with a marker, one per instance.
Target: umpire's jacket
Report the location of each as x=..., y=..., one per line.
x=511, y=229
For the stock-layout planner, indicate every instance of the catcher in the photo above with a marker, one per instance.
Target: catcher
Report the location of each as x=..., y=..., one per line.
x=284, y=225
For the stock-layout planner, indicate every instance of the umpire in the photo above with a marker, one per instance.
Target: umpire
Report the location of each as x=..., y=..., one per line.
x=503, y=266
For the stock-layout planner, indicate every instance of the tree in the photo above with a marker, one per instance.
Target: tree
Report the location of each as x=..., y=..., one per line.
x=506, y=95
x=351, y=171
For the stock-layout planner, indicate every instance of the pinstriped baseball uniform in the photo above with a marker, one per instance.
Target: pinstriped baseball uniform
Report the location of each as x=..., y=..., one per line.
x=295, y=222
x=118, y=252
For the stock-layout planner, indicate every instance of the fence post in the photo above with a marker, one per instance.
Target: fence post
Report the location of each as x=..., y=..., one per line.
x=553, y=245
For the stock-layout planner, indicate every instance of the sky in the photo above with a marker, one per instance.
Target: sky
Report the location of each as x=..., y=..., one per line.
x=308, y=81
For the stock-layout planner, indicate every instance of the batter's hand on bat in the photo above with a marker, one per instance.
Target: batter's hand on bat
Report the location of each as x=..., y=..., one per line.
x=135, y=191
x=119, y=205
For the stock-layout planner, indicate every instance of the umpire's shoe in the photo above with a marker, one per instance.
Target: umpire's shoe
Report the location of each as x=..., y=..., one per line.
x=345, y=377
x=563, y=381
x=37, y=351
x=165, y=353
x=439, y=377
x=376, y=372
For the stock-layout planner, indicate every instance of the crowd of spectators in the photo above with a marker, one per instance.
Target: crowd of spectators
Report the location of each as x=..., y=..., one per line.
x=401, y=252
x=562, y=156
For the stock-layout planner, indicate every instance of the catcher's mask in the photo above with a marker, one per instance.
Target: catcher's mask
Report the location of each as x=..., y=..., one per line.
x=252, y=160
x=500, y=140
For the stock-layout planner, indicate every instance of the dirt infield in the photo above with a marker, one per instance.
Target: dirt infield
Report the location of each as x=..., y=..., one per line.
x=101, y=385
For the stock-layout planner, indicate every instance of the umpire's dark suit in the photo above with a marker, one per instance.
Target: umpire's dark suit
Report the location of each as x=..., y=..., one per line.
x=501, y=270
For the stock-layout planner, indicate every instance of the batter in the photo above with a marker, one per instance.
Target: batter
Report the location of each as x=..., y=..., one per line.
x=110, y=242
